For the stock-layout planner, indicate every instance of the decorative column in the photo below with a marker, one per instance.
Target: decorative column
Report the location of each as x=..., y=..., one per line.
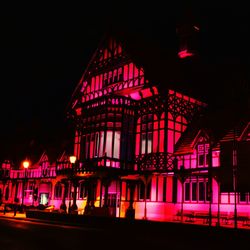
x=74, y=206
x=210, y=179
x=146, y=178
x=63, y=205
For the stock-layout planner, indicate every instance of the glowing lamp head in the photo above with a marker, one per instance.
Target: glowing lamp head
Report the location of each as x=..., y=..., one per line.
x=72, y=159
x=26, y=164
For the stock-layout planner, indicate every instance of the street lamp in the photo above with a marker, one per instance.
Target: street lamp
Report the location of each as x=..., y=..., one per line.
x=72, y=160
x=26, y=164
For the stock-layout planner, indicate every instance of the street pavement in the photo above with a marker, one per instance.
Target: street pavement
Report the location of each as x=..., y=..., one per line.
x=20, y=233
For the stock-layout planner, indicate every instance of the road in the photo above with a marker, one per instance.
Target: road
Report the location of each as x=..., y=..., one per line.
x=27, y=235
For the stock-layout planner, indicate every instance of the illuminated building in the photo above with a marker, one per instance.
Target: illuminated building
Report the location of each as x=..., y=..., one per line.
x=140, y=151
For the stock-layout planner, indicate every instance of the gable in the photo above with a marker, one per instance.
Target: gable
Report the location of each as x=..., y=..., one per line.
x=63, y=158
x=245, y=136
x=110, y=71
x=201, y=137
x=44, y=158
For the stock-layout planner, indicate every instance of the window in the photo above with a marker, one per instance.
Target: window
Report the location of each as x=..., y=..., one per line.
x=120, y=75
x=208, y=193
x=187, y=191
x=116, y=153
x=243, y=197
x=194, y=191
x=148, y=135
x=96, y=145
x=203, y=156
x=106, y=79
x=176, y=126
x=110, y=80
x=142, y=191
x=201, y=191
x=143, y=143
x=115, y=77
x=164, y=193
x=109, y=143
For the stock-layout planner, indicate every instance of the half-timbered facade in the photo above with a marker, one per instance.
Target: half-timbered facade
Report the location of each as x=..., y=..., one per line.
x=138, y=154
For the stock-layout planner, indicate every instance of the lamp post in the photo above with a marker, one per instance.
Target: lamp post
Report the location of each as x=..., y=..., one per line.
x=26, y=164
x=72, y=160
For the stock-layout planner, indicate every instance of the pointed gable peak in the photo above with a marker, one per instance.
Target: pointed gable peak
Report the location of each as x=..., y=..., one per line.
x=63, y=157
x=44, y=157
x=201, y=137
x=245, y=135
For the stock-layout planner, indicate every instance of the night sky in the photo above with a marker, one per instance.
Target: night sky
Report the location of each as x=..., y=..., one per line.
x=45, y=49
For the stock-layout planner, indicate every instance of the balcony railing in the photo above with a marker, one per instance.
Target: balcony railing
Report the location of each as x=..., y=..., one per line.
x=155, y=162
x=33, y=173
x=94, y=164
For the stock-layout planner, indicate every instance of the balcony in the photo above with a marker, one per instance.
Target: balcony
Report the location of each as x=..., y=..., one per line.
x=95, y=165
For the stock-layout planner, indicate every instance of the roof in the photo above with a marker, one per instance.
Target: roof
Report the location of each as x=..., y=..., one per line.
x=208, y=76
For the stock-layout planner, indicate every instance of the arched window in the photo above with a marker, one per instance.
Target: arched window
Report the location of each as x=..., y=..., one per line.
x=58, y=190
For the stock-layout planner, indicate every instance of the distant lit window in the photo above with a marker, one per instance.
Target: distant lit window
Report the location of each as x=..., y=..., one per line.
x=203, y=155
x=187, y=191
x=196, y=190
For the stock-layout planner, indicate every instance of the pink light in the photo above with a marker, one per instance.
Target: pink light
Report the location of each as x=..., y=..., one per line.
x=135, y=96
x=79, y=111
x=184, y=54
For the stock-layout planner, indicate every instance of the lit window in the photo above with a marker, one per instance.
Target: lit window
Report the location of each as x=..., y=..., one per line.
x=187, y=191
x=203, y=156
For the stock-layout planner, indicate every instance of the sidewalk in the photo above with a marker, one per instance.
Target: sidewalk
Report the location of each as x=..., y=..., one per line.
x=11, y=215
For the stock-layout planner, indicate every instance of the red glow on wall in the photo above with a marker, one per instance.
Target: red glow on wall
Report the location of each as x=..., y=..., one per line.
x=79, y=111
x=184, y=54
x=146, y=93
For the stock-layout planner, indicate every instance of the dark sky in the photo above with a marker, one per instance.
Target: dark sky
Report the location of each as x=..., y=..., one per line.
x=45, y=49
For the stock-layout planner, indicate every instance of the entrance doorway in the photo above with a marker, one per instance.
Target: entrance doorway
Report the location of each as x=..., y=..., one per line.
x=113, y=204
x=44, y=199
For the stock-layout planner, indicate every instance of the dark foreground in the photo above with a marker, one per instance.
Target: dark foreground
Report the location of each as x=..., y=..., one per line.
x=27, y=235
